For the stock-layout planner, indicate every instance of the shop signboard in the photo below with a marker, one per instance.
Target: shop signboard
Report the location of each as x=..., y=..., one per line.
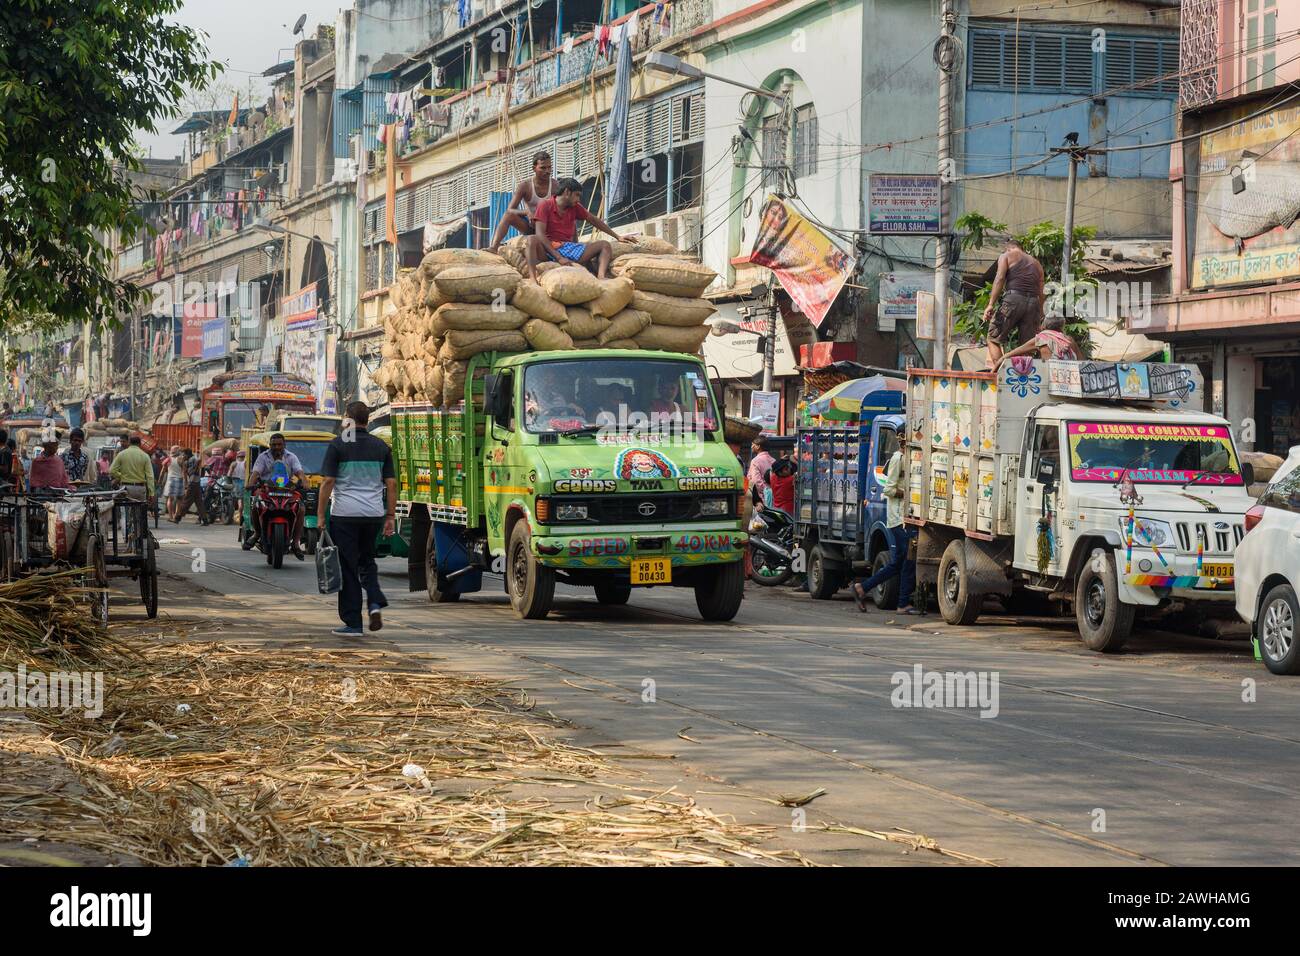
x=216, y=338
x=898, y=297
x=904, y=204
x=765, y=409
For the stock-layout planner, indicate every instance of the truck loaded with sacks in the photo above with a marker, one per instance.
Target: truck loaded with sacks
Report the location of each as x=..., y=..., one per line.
x=561, y=431
x=1100, y=485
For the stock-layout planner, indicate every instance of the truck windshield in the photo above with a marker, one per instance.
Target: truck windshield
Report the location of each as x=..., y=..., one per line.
x=1154, y=453
x=617, y=395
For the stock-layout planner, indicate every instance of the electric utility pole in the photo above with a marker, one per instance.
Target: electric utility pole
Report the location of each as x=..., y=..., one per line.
x=788, y=184
x=1077, y=154
x=945, y=59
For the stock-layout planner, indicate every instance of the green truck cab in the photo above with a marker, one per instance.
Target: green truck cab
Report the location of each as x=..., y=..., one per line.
x=597, y=468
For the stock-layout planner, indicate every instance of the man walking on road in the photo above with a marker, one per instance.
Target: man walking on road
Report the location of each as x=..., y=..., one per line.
x=894, y=485
x=360, y=492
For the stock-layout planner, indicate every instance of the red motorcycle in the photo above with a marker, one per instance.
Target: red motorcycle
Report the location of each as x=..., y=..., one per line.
x=276, y=510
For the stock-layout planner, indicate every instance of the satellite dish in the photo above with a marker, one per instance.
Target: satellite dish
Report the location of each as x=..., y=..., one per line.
x=297, y=27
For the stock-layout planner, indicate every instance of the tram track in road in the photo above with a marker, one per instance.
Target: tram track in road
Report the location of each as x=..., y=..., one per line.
x=1043, y=827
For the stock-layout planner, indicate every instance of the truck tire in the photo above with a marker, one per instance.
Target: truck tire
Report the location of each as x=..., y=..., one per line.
x=1275, y=629
x=822, y=582
x=531, y=585
x=719, y=594
x=1104, y=621
x=885, y=594
x=439, y=588
x=611, y=592
x=958, y=603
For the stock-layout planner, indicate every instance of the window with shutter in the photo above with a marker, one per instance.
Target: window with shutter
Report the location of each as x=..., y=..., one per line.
x=772, y=147
x=985, y=58
x=805, y=141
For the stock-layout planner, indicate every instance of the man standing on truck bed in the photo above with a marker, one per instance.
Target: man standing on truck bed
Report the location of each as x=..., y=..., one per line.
x=360, y=478
x=557, y=228
x=1019, y=282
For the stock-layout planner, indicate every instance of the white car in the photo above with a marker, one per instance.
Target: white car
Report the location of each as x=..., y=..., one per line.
x=1268, y=570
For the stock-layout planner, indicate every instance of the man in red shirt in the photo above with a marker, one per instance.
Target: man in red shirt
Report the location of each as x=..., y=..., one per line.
x=557, y=221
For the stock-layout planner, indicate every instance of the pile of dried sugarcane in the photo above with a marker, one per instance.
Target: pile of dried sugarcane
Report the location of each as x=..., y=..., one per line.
x=48, y=616
x=209, y=754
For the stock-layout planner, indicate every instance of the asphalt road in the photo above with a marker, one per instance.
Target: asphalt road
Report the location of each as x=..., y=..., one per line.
x=1149, y=757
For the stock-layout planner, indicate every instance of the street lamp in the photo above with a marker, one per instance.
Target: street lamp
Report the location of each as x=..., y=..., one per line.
x=662, y=62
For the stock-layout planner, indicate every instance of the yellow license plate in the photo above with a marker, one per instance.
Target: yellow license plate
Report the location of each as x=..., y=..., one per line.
x=652, y=570
x=1216, y=570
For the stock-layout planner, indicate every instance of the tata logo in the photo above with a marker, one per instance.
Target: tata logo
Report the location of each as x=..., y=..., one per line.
x=646, y=508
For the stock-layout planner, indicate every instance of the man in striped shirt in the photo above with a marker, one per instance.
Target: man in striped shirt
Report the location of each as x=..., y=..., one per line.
x=360, y=492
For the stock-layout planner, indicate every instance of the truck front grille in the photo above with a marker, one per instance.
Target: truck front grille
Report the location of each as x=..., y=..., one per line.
x=636, y=508
x=1217, y=540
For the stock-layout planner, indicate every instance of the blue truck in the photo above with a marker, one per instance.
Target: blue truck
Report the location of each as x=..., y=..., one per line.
x=839, y=505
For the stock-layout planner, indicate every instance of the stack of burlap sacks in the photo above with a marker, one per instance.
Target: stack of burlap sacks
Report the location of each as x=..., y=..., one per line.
x=461, y=302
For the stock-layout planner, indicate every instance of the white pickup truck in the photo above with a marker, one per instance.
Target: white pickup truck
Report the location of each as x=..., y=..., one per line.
x=1096, y=483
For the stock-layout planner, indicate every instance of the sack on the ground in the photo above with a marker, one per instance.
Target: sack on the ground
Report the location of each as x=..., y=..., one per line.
x=545, y=336
x=672, y=310
x=615, y=294
x=493, y=284
x=432, y=265
x=668, y=276
x=463, y=344
x=473, y=317
x=670, y=339
x=581, y=324
x=329, y=569
x=625, y=325
x=531, y=298
x=571, y=285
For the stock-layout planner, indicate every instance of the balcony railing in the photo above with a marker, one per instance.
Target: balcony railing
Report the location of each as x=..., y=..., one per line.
x=554, y=69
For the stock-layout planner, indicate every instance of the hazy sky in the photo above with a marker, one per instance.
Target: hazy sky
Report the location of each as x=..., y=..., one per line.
x=247, y=36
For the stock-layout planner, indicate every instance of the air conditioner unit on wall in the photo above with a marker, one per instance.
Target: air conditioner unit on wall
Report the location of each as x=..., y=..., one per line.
x=682, y=229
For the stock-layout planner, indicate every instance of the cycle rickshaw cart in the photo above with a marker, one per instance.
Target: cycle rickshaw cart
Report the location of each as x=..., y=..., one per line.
x=107, y=533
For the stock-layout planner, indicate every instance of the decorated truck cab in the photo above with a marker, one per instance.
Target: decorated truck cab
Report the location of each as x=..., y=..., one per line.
x=599, y=468
x=1103, y=485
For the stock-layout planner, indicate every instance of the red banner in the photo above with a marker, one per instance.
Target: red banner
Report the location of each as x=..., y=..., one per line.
x=193, y=317
x=809, y=266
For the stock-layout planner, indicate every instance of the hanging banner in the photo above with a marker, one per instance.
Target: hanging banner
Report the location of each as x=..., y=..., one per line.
x=809, y=266
x=192, y=317
x=216, y=337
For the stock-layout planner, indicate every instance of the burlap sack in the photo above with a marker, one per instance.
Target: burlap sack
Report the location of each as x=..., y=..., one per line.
x=581, y=324
x=462, y=344
x=650, y=246
x=572, y=285
x=490, y=283
x=620, y=344
x=433, y=385
x=624, y=325
x=547, y=266
x=586, y=344
x=515, y=252
x=668, y=276
x=433, y=298
x=389, y=351
x=530, y=298
x=464, y=316
x=617, y=249
x=672, y=310
x=439, y=259
x=615, y=294
x=398, y=293
x=670, y=339
x=453, y=383
x=546, y=336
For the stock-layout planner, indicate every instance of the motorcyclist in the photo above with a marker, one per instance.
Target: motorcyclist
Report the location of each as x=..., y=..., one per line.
x=278, y=462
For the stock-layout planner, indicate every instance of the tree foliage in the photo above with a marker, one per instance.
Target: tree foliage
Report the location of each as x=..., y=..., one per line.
x=79, y=80
x=1046, y=243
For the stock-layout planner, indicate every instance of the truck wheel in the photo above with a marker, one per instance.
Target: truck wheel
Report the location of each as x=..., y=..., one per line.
x=1275, y=627
x=531, y=584
x=822, y=582
x=611, y=592
x=719, y=594
x=1105, y=621
x=885, y=594
x=957, y=602
x=439, y=588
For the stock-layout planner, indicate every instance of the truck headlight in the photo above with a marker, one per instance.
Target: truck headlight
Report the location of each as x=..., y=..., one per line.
x=1147, y=531
x=570, y=512
x=715, y=506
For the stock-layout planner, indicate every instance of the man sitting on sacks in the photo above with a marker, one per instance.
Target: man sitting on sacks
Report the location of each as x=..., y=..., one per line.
x=556, y=229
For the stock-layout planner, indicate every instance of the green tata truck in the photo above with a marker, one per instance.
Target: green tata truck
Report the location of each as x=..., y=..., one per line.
x=600, y=468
